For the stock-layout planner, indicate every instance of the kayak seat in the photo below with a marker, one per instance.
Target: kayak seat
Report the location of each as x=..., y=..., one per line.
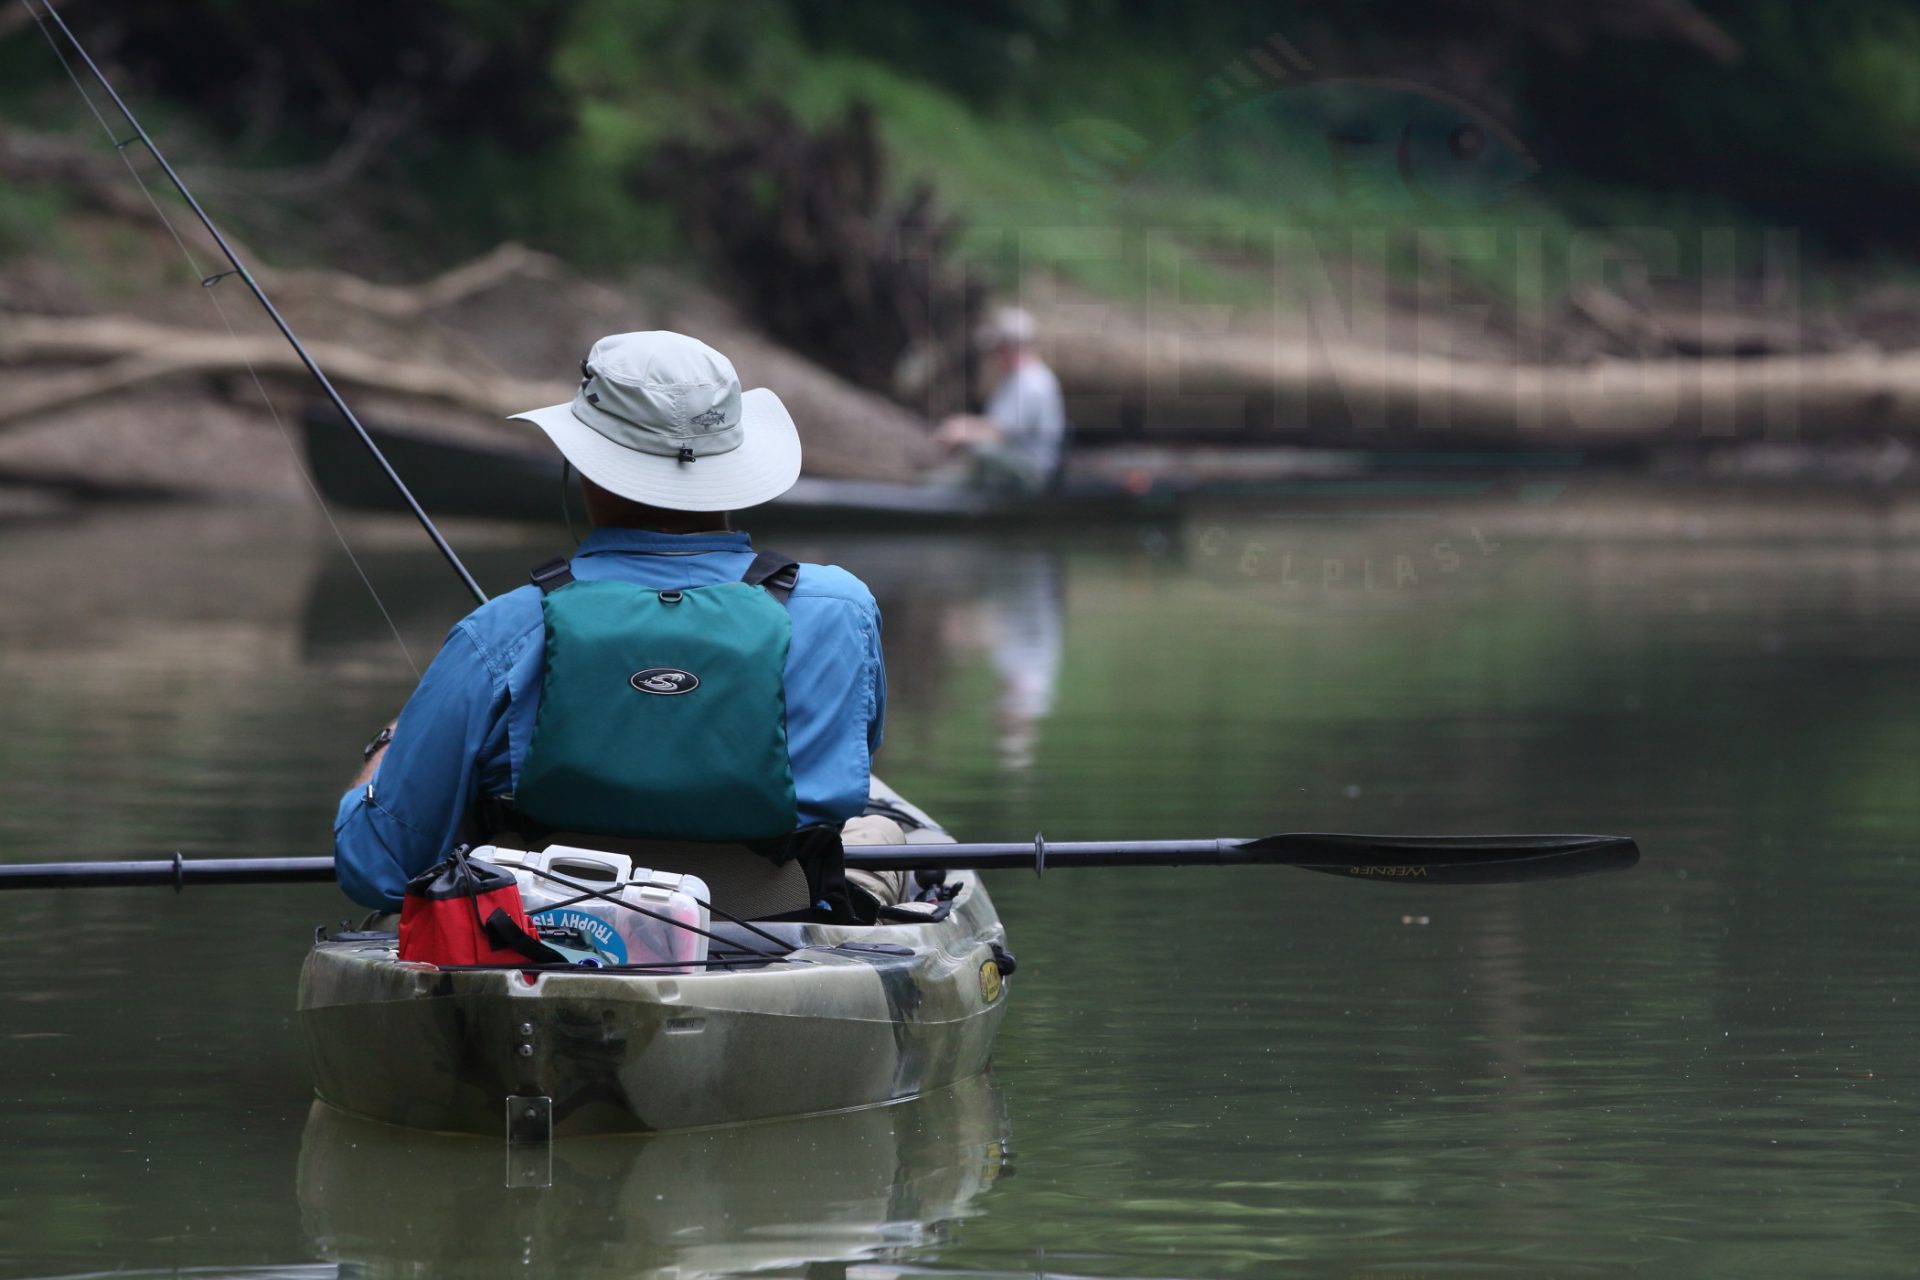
x=739, y=881
x=742, y=882
x=730, y=939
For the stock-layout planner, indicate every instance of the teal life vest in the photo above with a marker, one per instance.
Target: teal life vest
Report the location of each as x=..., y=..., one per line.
x=663, y=714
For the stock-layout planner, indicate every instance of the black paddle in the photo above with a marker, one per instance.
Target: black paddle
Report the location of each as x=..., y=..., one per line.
x=1410, y=859
x=1395, y=859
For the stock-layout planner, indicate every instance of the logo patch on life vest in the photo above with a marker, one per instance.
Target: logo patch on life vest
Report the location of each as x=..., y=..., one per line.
x=664, y=680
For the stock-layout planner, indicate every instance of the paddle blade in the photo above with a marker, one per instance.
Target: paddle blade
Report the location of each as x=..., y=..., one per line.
x=1446, y=859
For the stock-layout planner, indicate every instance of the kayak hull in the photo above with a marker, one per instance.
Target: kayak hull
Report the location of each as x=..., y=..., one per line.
x=827, y=1028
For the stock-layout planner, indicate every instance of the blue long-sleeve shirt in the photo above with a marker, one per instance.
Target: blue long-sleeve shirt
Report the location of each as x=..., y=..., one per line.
x=464, y=732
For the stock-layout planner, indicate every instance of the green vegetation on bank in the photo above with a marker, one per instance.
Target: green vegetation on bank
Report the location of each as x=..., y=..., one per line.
x=1180, y=131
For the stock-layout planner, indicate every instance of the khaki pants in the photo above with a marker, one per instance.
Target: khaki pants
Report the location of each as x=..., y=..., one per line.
x=889, y=887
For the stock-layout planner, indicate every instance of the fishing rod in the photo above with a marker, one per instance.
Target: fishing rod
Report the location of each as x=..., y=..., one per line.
x=1408, y=860
x=239, y=268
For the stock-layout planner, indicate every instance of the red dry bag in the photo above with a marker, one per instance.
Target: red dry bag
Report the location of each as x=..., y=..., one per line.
x=464, y=911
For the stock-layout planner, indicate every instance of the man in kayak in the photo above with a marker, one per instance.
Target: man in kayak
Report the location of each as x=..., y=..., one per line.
x=1016, y=445
x=666, y=682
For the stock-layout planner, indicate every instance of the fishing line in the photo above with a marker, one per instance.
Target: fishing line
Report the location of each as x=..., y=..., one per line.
x=209, y=283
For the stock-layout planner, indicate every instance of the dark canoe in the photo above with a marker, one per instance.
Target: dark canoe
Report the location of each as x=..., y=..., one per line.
x=499, y=481
x=457, y=478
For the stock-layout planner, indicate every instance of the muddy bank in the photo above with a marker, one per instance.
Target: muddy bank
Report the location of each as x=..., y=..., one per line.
x=149, y=398
x=120, y=377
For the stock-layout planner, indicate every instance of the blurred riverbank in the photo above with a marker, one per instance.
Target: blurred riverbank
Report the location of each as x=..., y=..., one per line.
x=1372, y=229
x=132, y=383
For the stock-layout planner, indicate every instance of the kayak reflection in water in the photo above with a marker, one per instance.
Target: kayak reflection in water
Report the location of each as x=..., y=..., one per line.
x=1016, y=444
x=868, y=1185
x=666, y=682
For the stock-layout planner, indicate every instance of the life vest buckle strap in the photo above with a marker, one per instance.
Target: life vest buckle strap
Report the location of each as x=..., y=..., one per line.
x=775, y=572
x=553, y=575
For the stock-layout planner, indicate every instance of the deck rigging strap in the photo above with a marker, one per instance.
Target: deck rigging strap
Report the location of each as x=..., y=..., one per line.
x=586, y=892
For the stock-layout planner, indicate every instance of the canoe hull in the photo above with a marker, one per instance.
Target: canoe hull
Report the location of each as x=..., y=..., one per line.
x=827, y=1030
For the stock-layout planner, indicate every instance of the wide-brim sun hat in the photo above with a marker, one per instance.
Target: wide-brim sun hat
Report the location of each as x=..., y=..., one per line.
x=660, y=419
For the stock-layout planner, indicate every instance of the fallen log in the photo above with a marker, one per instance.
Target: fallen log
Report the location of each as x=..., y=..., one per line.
x=1298, y=393
x=1353, y=397
x=116, y=353
x=498, y=266
x=849, y=432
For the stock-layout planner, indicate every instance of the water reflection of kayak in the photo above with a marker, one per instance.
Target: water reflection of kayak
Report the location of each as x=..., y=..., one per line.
x=833, y=1017
x=727, y=1201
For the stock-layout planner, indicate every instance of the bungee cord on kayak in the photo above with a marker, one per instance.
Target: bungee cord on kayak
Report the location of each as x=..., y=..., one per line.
x=584, y=893
x=48, y=19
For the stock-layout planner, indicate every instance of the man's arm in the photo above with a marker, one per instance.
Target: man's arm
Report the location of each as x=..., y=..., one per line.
x=963, y=430
x=375, y=749
x=877, y=663
x=408, y=802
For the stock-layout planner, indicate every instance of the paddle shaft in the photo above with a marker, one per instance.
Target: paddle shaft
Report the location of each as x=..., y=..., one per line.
x=1410, y=859
x=175, y=872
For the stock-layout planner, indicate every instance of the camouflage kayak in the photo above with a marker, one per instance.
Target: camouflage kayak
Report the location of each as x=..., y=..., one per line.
x=847, y=1017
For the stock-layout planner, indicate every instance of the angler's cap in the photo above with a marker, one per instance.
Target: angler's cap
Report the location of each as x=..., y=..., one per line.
x=660, y=419
x=1007, y=326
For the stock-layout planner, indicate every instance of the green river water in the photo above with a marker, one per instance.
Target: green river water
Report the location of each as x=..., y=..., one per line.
x=1703, y=1067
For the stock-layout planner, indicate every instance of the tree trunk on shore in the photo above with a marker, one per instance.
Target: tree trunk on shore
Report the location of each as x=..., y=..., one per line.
x=1337, y=397
x=80, y=359
x=1296, y=393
